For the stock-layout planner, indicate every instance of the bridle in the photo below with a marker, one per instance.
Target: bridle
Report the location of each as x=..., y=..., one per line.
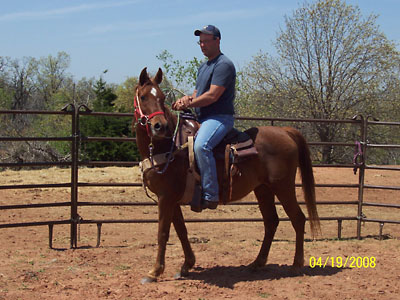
x=144, y=120
x=141, y=118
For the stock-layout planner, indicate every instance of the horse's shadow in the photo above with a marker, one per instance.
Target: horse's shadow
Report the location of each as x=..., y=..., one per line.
x=228, y=276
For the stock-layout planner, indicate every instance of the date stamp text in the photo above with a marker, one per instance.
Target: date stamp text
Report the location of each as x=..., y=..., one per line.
x=343, y=262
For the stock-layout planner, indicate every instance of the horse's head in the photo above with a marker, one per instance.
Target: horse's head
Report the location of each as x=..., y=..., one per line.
x=149, y=105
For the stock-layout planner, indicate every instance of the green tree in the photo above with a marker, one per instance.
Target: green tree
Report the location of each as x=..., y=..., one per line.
x=180, y=75
x=125, y=94
x=5, y=98
x=107, y=127
x=42, y=84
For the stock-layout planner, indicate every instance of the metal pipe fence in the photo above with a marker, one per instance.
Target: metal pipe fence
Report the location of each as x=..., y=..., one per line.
x=75, y=139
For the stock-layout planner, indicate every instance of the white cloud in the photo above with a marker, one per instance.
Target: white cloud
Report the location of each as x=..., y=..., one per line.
x=34, y=15
x=153, y=24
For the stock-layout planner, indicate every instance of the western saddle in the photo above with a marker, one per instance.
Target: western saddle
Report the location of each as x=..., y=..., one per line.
x=236, y=147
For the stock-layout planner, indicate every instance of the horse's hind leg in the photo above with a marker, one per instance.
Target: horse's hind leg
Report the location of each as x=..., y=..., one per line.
x=287, y=197
x=266, y=203
x=180, y=227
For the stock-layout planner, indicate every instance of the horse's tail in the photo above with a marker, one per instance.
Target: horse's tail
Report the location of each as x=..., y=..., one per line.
x=307, y=178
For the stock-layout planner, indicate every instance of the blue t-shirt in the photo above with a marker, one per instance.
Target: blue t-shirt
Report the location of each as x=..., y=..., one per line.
x=219, y=71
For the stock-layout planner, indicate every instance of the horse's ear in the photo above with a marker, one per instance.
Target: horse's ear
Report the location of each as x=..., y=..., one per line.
x=144, y=77
x=159, y=76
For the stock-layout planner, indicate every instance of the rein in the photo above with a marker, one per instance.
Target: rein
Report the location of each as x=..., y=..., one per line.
x=170, y=153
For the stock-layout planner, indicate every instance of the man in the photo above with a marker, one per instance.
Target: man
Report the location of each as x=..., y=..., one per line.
x=213, y=103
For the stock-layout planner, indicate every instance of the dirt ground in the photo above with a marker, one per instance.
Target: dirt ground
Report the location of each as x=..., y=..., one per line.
x=29, y=269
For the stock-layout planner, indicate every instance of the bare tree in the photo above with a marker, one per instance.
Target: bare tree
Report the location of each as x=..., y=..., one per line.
x=2, y=64
x=337, y=58
x=52, y=76
x=332, y=63
x=22, y=81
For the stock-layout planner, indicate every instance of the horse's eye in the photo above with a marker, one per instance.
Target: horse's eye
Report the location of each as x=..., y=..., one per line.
x=142, y=98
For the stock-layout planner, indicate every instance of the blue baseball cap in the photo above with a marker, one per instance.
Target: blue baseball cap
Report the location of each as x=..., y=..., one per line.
x=209, y=29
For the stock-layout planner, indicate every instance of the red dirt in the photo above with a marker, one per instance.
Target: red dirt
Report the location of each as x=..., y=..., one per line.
x=29, y=269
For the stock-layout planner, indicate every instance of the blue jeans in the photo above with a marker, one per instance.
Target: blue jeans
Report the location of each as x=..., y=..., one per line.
x=213, y=129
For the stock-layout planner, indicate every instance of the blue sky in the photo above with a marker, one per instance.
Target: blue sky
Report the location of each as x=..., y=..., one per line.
x=124, y=36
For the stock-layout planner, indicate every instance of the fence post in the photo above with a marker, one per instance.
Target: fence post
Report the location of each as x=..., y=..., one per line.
x=361, y=176
x=74, y=176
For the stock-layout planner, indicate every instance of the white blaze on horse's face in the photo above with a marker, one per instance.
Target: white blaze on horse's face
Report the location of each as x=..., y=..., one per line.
x=153, y=92
x=159, y=124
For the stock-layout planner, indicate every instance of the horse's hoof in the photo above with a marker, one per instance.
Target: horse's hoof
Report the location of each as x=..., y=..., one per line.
x=181, y=274
x=178, y=276
x=148, y=280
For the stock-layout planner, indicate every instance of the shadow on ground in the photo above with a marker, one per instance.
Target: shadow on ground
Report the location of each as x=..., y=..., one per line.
x=228, y=276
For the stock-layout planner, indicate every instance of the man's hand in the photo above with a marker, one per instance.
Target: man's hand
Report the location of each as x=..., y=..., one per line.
x=182, y=103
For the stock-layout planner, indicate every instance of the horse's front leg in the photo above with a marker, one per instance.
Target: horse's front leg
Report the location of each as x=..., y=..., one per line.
x=180, y=228
x=165, y=214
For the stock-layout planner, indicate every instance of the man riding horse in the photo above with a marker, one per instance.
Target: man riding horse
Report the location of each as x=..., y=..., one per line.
x=213, y=102
x=270, y=173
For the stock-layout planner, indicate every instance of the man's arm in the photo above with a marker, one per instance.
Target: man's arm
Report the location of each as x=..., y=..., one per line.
x=209, y=97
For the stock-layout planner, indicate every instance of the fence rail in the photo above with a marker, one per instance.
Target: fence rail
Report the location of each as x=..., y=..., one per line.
x=74, y=112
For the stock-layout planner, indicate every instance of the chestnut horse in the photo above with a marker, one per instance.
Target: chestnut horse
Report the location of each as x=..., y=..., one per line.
x=271, y=172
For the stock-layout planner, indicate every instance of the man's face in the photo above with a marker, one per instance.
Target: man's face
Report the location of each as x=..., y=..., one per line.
x=208, y=44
